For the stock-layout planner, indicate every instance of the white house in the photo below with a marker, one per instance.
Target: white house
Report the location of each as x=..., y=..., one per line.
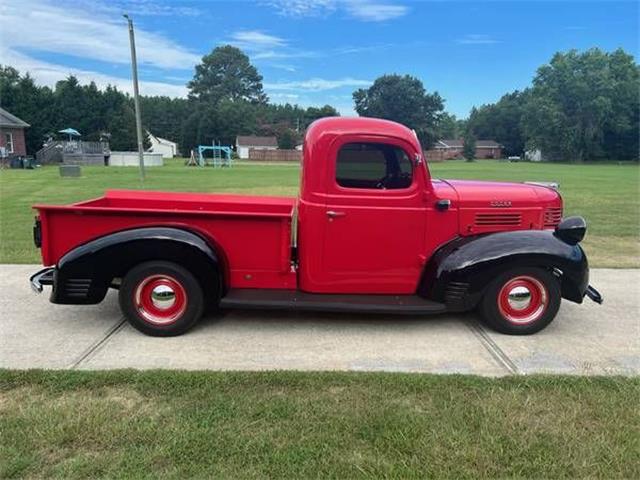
x=245, y=143
x=533, y=155
x=167, y=148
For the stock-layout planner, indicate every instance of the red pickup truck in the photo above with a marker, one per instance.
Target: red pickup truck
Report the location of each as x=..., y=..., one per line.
x=371, y=232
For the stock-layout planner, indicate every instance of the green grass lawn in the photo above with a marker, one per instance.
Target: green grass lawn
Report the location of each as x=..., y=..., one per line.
x=607, y=195
x=124, y=424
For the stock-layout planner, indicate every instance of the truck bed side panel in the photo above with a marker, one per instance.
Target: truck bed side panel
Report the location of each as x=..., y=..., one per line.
x=254, y=242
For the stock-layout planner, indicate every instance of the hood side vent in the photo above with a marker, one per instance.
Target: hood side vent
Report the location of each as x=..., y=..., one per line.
x=506, y=219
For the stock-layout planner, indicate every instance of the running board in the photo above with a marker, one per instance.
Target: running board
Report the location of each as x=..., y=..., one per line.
x=295, y=300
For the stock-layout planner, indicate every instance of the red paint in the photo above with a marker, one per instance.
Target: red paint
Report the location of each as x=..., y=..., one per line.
x=536, y=306
x=151, y=313
x=378, y=242
x=249, y=232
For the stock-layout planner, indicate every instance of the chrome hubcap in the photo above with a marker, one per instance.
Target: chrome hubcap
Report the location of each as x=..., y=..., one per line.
x=519, y=298
x=163, y=297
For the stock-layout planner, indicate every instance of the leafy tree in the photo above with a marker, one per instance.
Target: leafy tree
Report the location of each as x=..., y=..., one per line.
x=189, y=134
x=226, y=73
x=20, y=96
x=402, y=99
x=584, y=106
x=469, y=147
x=288, y=139
x=312, y=114
x=164, y=116
x=189, y=122
x=449, y=126
x=501, y=121
x=122, y=127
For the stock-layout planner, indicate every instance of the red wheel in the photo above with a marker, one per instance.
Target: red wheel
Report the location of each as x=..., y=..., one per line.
x=521, y=301
x=161, y=298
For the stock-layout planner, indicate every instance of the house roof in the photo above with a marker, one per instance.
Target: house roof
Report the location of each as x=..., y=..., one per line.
x=8, y=120
x=487, y=144
x=254, y=141
x=459, y=143
x=160, y=139
x=450, y=143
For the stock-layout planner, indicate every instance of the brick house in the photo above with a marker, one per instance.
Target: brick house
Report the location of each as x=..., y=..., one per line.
x=448, y=149
x=12, y=142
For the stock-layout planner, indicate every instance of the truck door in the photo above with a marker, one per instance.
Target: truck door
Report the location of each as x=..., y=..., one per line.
x=375, y=218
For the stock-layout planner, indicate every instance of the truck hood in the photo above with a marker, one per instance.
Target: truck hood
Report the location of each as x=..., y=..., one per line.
x=485, y=207
x=481, y=194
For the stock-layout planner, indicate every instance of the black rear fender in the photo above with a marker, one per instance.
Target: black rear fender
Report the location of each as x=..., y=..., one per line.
x=458, y=273
x=84, y=274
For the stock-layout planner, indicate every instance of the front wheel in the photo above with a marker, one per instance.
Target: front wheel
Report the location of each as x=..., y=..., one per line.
x=521, y=301
x=161, y=298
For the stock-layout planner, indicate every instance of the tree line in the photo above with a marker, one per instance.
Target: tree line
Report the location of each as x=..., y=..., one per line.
x=226, y=99
x=581, y=106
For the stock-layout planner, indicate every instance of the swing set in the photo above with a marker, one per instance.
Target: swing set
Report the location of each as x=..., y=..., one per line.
x=221, y=156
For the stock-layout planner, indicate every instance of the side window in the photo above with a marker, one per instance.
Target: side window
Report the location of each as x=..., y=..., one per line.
x=373, y=165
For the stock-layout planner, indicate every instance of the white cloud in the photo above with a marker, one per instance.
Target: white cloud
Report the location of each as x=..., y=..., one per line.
x=302, y=8
x=256, y=40
x=375, y=12
x=477, y=39
x=36, y=25
x=45, y=73
x=316, y=84
x=154, y=8
x=275, y=54
x=284, y=97
x=364, y=10
x=285, y=67
x=146, y=8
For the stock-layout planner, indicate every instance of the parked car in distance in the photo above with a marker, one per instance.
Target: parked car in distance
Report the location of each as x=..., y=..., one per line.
x=375, y=233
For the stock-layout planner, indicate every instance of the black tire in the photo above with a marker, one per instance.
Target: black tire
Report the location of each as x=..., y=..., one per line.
x=143, y=289
x=498, y=312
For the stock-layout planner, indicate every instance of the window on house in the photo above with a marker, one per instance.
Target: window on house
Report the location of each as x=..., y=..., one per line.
x=373, y=165
x=8, y=142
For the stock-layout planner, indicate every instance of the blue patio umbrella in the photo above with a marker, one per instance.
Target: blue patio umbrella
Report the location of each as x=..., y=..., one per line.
x=71, y=132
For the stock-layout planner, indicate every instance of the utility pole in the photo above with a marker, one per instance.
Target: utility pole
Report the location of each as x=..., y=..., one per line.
x=136, y=95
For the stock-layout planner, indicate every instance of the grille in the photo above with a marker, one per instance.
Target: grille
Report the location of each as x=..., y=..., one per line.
x=552, y=217
x=77, y=287
x=498, y=219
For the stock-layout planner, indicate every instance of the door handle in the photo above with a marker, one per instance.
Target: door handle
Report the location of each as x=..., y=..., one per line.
x=334, y=214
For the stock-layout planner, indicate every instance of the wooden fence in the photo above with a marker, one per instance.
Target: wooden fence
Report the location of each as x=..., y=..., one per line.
x=275, y=155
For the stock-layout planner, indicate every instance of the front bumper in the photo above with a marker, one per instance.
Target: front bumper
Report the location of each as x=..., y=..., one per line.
x=43, y=277
x=594, y=295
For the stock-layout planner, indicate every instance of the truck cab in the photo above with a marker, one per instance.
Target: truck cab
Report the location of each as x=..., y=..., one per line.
x=371, y=231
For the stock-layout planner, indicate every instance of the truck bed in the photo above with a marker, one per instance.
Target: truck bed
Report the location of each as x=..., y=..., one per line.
x=252, y=232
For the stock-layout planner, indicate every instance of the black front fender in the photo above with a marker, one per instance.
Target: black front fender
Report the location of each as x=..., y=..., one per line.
x=84, y=274
x=459, y=271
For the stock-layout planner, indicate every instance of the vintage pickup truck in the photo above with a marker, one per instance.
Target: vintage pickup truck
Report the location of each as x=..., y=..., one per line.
x=371, y=232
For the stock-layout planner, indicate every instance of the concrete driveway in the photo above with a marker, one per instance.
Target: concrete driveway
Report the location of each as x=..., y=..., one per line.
x=584, y=339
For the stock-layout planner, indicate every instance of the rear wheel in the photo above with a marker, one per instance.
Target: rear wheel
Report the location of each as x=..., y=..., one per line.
x=521, y=301
x=161, y=298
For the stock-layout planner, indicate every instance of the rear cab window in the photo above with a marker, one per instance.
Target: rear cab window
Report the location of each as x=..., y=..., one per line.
x=373, y=166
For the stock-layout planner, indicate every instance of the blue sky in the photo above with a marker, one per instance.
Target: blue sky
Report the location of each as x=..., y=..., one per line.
x=314, y=52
